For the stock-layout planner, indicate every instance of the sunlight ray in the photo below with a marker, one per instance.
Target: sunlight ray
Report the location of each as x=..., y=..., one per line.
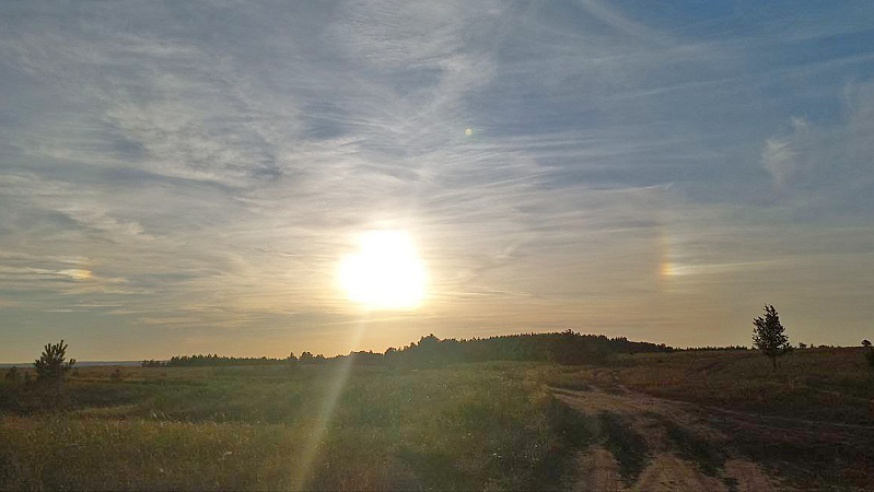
x=302, y=471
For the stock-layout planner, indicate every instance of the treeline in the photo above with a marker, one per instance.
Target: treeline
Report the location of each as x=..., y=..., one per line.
x=211, y=360
x=201, y=360
x=567, y=347
x=708, y=349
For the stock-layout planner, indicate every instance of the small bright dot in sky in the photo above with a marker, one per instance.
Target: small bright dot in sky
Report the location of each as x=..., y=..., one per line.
x=385, y=273
x=468, y=132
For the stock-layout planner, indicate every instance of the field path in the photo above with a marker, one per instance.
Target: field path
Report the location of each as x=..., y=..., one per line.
x=601, y=472
x=671, y=466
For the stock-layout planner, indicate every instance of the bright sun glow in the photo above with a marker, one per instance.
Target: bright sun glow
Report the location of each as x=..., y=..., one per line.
x=385, y=273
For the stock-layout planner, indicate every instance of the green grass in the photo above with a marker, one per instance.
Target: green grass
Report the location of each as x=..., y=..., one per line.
x=476, y=426
x=65, y=453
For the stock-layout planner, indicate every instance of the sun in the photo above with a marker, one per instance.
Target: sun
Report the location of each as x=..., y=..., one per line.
x=385, y=273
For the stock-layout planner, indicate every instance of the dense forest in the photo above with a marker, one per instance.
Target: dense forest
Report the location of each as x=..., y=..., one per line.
x=567, y=347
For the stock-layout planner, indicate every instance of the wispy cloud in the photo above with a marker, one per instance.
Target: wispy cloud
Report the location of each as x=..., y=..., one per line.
x=826, y=168
x=166, y=170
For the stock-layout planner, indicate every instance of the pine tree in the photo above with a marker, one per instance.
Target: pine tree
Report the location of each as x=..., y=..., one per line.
x=51, y=368
x=768, y=335
x=52, y=365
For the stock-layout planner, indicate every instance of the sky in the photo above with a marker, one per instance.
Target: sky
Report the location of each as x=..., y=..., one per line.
x=186, y=177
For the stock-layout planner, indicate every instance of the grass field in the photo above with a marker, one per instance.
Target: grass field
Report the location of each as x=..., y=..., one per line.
x=476, y=426
x=483, y=426
x=829, y=384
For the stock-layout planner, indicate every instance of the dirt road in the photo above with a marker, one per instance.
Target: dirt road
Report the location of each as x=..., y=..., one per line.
x=651, y=444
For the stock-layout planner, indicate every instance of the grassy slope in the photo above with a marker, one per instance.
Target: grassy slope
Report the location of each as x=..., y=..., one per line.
x=482, y=426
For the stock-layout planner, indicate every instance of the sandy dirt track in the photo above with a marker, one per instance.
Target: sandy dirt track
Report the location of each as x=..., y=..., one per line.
x=666, y=470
